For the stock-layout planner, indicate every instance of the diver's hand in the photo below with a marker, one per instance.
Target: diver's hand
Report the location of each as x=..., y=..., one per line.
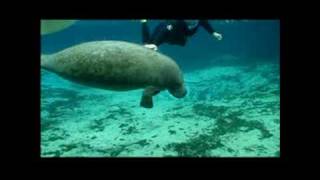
x=217, y=35
x=151, y=46
x=143, y=20
x=169, y=27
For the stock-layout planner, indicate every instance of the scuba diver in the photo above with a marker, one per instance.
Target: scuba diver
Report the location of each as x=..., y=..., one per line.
x=174, y=32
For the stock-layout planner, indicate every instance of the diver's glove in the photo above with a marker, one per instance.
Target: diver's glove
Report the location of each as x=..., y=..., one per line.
x=169, y=27
x=143, y=20
x=151, y=46
x=217, y=35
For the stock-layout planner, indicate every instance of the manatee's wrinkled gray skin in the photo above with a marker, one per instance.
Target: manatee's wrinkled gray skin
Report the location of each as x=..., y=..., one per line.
x=118, y=66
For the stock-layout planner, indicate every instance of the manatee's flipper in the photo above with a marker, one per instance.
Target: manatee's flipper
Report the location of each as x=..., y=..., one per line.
x=146, y=99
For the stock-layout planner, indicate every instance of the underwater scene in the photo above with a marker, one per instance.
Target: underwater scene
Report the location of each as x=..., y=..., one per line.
x=160, y=88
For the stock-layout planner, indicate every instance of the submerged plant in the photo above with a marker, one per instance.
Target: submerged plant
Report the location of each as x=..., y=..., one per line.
x=71, y=100
x=226, y=121
x=199, y=146
x=209, y=110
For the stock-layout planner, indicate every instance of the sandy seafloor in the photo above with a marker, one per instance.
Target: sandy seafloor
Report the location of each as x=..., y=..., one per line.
x=230, y=111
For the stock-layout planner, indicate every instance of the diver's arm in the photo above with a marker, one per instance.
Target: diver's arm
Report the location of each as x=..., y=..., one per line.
x=146, y=36
x=161, y=33
x=206, y=25
x=159, y=38
x=145, y=32
x=192, y=31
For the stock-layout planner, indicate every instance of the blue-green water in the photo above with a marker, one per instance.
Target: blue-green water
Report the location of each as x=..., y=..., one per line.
x=231, y=109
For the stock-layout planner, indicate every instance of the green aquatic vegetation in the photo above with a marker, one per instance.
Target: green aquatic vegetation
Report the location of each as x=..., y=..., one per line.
x=249, y=149
x=154, y=136
x=111, y=116
x=203, y=94
x=277, y=120
x=129, y=130
x=131, y=121
x=98, y=98
x=230, y=78
x=112, y=152
x=56, y=153
x=177, y=115
x=71, y=95
x=68, y=147
x=118, y=112
x=232, y=123
x=209, y=110
x=165, y=117
x=169, y=156
x=55, y=109
x=121, y=111
x=175, y=108
x=143, y=142
x=54, y=138
x=115, y=151
x=47, y=124
x=54, y=134
x=255, y=148
x=271, y=74
x=123, y=125
x=199, y=146
x=72, y=99
x=98, y=124
x=274, y=106
x=261, y=89
x=226, y=121
x=275, y=92
x=230, y=150
x=230, y=97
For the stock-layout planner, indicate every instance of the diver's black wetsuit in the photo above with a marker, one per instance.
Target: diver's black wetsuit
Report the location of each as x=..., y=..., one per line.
x=177, y=35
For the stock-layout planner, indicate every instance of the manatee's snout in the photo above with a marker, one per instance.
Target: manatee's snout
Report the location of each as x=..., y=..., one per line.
x=179, y=92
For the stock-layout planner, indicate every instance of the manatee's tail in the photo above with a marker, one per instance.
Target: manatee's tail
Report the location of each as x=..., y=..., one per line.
x=44, y=61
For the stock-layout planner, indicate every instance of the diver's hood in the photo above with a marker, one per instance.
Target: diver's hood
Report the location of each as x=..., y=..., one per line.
x=192, y=23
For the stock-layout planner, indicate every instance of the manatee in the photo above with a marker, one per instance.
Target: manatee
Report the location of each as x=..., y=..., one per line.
x=118, y=66
x=51, y=26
